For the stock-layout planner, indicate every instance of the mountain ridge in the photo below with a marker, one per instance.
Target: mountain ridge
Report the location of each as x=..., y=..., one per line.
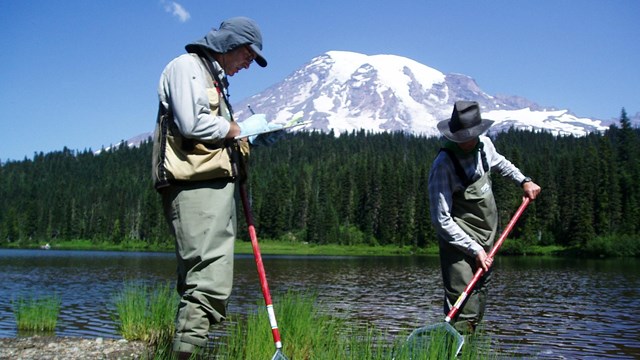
x=344, y=91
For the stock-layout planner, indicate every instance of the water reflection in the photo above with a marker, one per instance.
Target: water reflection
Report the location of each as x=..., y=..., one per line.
x=540, y=308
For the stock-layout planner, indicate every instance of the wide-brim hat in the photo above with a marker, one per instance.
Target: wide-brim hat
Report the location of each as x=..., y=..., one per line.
x=465, y=123
x=234, y=32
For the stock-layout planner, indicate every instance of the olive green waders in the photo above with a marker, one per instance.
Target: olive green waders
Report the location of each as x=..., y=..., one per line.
x=203, y=218
x=474, y=210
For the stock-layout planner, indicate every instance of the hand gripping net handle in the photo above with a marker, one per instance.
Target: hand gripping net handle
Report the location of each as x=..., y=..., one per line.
x=454, y=310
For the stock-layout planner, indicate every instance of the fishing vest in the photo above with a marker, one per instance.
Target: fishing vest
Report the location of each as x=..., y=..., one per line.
x=474, y=207
x=177, y=159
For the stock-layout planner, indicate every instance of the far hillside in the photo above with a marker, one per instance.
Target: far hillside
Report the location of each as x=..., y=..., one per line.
x=356, y=188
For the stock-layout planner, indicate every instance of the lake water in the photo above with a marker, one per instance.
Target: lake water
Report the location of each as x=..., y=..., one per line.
x=543, y=308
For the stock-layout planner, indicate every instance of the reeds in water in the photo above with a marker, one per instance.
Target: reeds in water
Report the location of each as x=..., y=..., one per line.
x=37, y=313
x=146, y=313
x=308, y=331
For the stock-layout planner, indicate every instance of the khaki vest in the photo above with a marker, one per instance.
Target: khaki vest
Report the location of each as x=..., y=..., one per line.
x=178, y=159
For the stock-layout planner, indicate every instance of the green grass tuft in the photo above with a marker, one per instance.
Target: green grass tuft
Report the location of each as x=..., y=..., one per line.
x=145, y=313
x=307, y=329
x=37, y=313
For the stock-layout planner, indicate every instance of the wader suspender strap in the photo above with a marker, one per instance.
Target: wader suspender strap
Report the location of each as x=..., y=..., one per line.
x=218, y=84
x=231, y=145
x=460, y=171
x=485, y=163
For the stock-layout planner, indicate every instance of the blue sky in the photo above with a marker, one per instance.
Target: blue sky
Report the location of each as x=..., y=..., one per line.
x=83, y=74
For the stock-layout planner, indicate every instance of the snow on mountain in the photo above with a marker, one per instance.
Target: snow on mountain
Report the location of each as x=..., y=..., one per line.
x=559, y=122
x=346, y=91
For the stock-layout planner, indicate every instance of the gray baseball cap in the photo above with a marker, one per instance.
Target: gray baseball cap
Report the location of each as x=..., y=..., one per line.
x=232, y=33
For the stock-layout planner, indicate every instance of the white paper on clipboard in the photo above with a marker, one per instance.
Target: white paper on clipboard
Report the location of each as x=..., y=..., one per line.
x=294, y=122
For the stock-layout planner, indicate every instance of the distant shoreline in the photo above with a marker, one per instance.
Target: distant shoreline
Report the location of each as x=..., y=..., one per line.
x=279, y=247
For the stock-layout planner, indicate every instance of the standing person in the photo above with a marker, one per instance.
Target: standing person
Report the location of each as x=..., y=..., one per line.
x=196, y=163
x=463, y=209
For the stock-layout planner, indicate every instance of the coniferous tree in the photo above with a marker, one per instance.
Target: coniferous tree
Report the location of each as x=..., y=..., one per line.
x=356, y=187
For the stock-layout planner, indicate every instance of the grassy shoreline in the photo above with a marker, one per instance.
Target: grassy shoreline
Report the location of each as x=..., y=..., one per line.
x=308, y=332
x=280, y=247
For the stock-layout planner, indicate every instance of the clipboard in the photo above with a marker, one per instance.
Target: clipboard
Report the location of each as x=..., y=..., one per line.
x=294, y=122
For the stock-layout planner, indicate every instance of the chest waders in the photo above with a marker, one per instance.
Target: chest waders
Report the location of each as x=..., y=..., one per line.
x=474, y=210
x=202, y=216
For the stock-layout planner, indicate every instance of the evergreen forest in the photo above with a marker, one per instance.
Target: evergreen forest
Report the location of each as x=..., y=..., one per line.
x=357, y=188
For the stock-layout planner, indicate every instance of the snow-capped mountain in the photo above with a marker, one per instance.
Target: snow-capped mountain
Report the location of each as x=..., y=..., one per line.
x=345, y=91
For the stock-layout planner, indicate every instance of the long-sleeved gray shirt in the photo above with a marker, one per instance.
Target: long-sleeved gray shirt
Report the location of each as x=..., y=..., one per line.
x=443, y=182
x=184, y=87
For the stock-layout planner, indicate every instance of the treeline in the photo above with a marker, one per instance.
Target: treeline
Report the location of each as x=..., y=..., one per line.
x=357, y=188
